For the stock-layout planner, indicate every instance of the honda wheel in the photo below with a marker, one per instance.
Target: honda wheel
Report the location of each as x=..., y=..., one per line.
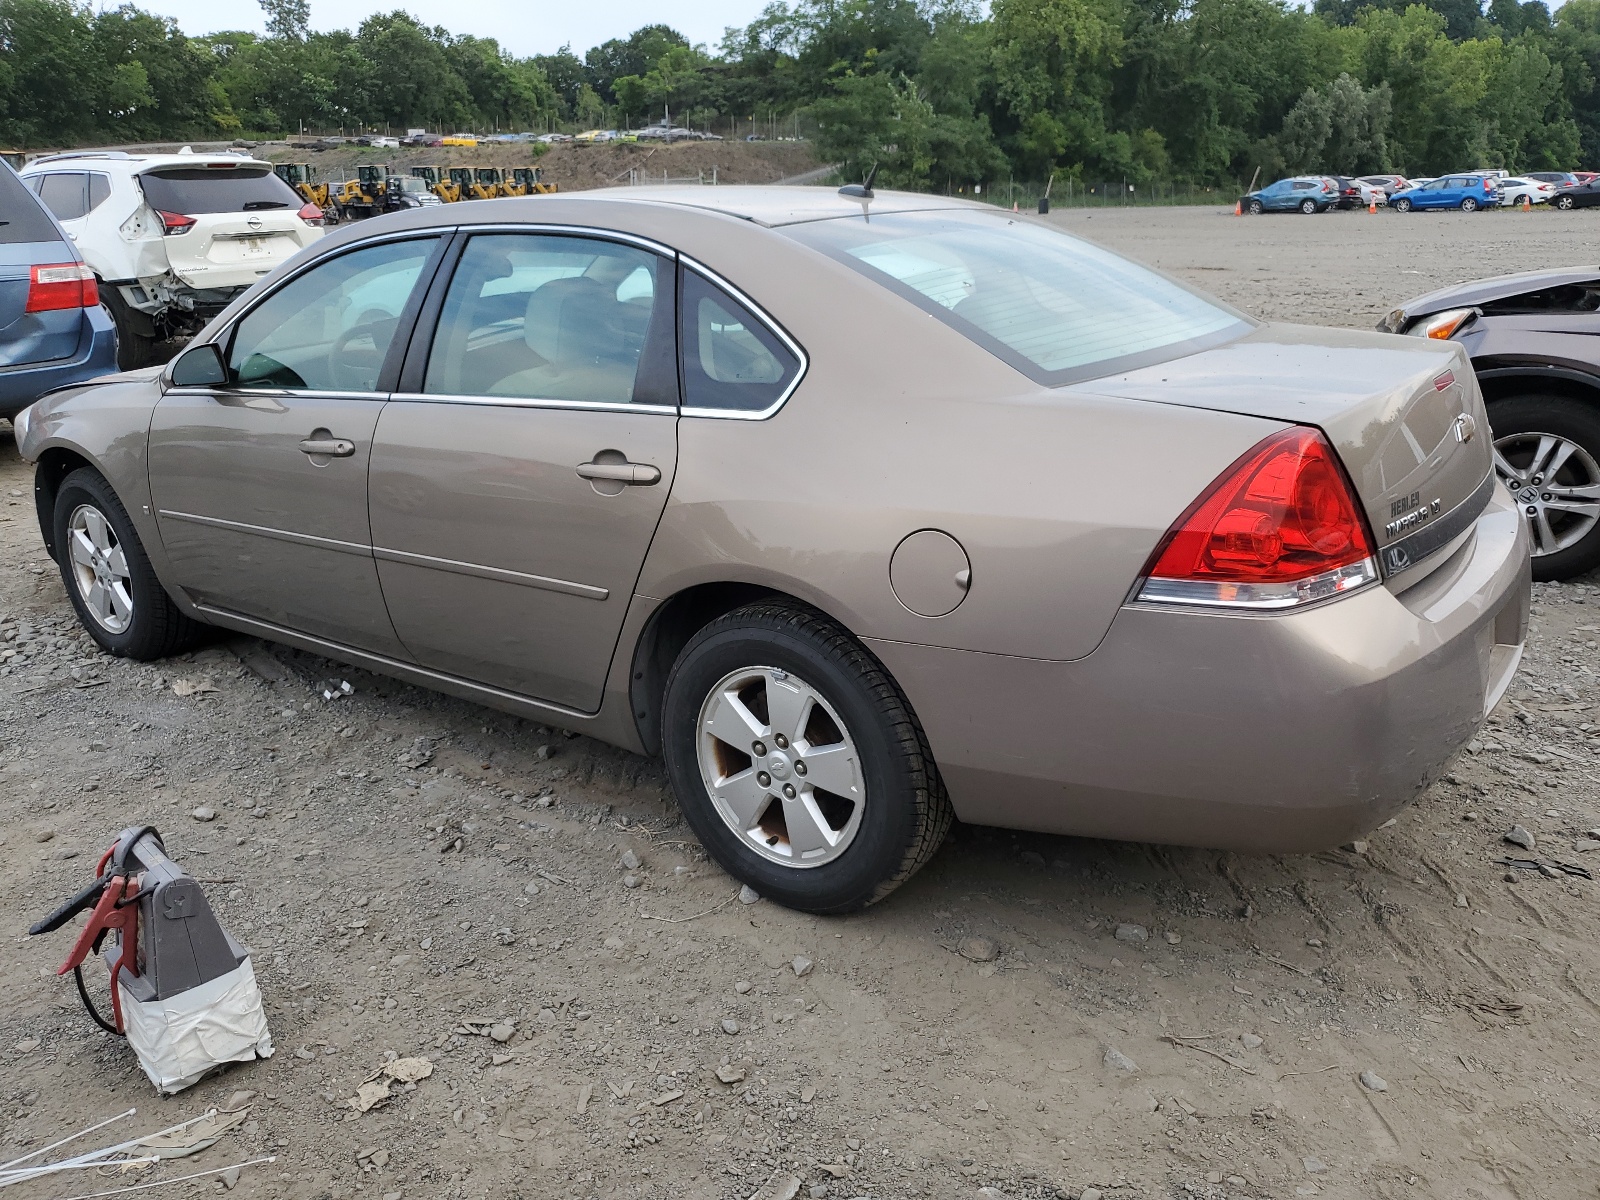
x=1547, y=451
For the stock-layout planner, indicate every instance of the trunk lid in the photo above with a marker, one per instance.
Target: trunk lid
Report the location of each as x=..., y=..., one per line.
x=245, y=221
x=1405, y=415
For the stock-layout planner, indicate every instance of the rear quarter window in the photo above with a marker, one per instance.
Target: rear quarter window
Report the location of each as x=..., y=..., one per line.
x=21, y=217
x=194, y=191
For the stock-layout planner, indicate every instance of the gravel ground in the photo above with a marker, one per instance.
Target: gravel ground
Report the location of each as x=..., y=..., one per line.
x=1041, y=1016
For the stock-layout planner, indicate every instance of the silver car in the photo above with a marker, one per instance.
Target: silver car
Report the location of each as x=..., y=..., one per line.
x=865, y=511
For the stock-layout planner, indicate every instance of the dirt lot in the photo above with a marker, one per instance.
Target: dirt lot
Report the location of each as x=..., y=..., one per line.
x=1213, y=1051
x=575, y=167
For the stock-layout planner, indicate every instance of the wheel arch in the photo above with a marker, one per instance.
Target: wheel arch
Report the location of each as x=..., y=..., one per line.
x=54, y=464
x=676, y=620
x=1501, y=381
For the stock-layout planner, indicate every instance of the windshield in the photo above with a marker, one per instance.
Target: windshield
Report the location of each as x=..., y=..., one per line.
x=1056, y=308
x=195, y=191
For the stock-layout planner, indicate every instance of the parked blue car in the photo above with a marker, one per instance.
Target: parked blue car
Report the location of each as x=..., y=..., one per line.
x=1304, y=193
x=1468, y=193
x=52, y=329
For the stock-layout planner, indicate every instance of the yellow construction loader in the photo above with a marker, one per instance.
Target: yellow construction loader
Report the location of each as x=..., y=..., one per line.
x=528, y=182
x=439, y=182
x=299, y=177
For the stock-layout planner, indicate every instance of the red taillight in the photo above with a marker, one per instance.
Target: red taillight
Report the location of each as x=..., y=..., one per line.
x=1278, y=528
x=310, y=214
x=173, y=224
x=61, y=285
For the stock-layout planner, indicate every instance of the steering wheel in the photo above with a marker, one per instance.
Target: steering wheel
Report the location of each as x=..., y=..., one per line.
x=353, y=367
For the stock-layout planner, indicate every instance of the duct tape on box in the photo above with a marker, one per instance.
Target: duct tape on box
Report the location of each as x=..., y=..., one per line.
x=185, y=1037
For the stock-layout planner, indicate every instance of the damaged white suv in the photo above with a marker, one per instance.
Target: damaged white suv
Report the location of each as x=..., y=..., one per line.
x=171, y=238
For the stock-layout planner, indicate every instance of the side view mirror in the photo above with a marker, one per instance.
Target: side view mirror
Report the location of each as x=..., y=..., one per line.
x=200, y=366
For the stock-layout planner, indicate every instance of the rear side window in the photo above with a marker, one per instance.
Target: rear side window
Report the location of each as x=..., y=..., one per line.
x=194, y=191
x=21, y=218
x=732, y=360
x=66, y=194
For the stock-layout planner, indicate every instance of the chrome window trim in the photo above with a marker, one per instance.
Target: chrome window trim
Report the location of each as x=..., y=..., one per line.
x=778, y=331
x=560, y=230
x=221, y=333
x=533, y=402
x=277, y=393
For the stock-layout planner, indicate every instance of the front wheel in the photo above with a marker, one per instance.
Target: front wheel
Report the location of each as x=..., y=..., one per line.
x=1401, y=205
x=1547, y=451
x=797, y=760
x=1468, y=204
x=108, y=576
x=1308, y=207
x=1255, y=208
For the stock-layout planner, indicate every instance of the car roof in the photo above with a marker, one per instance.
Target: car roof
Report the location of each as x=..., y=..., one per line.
x=139, y=163
x=773, y=206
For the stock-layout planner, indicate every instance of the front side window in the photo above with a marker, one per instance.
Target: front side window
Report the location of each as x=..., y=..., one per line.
x=1056, y=308
x=551, y=317
x=329, y=328
x=732, y=361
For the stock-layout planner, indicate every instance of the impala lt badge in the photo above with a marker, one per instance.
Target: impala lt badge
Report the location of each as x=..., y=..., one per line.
x=1419, y=514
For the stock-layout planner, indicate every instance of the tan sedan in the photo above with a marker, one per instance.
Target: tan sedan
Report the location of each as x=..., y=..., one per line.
x=864, y=511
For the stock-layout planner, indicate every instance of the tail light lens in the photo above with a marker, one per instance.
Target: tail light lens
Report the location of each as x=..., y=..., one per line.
x=311, y=215
x=1278, y=529
x=61, y=285
x=173, y=224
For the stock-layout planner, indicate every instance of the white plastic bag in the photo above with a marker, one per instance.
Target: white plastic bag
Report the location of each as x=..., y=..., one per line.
x=181, y=1039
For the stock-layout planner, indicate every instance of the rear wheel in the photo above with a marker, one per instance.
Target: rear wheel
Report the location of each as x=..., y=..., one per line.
x=1547, y=450
x=798, y=762
x=1402, y=205
x=1564, y=203
x=108, y=576
x=135, y=340
x=1308, y=207
x=1468, y=204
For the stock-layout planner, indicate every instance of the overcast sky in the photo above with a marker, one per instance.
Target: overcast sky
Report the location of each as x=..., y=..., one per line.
x=521, y=27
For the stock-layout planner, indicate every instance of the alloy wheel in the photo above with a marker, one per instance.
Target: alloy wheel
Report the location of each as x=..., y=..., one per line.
x=780, y=767
x=1556, y=484
x=100, y=569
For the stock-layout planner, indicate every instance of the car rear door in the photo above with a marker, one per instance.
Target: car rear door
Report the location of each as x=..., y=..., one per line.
x=228, y=224
x=519, y=472
x=31, y=242
x=260, y=486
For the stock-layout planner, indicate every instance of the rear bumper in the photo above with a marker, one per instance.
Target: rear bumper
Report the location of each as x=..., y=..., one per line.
x=1271, y=733
x=20, y=386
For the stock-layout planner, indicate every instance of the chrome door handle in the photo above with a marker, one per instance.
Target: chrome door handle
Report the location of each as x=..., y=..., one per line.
x=328, y=447
x=622, y=472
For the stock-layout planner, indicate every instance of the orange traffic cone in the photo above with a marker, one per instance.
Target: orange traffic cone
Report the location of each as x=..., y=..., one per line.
x=1372, y=208
x=1527, y=202
x=1236, y=209
x=1013, y=206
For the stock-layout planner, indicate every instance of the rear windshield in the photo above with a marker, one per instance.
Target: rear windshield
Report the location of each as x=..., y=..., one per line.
x=21, y=217
x=196, y=190
x=1056, y=308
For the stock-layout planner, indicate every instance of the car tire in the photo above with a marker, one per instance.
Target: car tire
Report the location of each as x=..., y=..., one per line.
x=1565, y=203
x=135, y=348
x=889, y=812
x=1468, y=204
x=1518, y=424
x=112, y=586
x=1308, y=207
x=1401, y=205
x=1255, y=208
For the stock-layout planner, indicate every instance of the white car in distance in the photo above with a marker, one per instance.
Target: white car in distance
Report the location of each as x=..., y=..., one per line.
x=171, y=238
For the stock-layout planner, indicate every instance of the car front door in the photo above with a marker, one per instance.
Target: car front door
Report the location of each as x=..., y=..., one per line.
x=1431, y=194
x=260, y=486
x=519, y=473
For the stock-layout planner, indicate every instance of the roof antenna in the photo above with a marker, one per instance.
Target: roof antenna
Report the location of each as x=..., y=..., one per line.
x=861, y=191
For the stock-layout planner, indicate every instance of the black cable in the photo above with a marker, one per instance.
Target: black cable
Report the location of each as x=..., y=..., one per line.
x=88, y=1004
